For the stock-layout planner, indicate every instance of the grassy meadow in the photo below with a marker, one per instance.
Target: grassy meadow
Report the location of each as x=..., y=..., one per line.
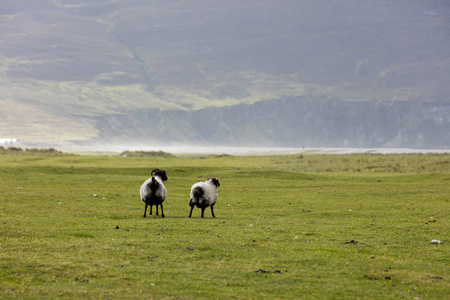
x=288, y=227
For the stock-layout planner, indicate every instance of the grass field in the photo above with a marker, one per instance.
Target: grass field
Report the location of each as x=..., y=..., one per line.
x=288, y=227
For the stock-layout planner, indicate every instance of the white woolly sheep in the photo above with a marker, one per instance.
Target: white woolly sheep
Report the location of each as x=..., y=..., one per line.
x=204, y=194
x=153, y=191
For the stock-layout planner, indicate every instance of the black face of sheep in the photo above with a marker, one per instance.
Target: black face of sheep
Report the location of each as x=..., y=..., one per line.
x=215, y=181
x=161, y=173
x=153, y=191
x=204, y=194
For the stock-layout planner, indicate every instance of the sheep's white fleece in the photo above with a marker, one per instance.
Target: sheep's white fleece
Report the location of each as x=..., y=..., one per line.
x=210, y=194
x=145, y=188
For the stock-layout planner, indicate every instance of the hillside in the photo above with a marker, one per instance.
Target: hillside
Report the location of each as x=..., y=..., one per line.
x=68, y=68
x=304, y=122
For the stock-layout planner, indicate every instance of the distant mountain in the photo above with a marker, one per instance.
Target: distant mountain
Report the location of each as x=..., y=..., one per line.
x=288, y=122
x=85, y=71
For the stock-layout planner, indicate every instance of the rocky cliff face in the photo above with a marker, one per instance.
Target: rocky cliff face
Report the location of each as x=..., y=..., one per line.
x=289, y=122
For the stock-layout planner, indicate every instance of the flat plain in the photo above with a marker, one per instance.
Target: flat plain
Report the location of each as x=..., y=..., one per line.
x=287, y=227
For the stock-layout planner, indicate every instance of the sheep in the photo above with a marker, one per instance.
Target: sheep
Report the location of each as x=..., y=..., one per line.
x=204, y=194
x=153, y=191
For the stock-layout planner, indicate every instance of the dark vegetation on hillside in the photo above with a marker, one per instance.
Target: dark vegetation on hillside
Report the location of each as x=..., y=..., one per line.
x=146, y=154
x=29, y=151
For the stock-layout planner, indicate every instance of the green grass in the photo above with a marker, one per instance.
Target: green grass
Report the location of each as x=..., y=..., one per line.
x=322, y=226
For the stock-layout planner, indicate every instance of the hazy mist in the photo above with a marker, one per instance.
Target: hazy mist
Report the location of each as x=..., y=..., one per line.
x=305, y=73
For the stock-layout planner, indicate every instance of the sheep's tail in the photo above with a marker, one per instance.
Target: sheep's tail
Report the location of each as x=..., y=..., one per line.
x=154, y=184
x=198, y=192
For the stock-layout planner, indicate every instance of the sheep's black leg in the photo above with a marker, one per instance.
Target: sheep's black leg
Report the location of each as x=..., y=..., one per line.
x=151, y=208
x=157, y=210
x=162, y=211
x=212, y=211
x=190, y=214
x=145, y=211
x=203, y=211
